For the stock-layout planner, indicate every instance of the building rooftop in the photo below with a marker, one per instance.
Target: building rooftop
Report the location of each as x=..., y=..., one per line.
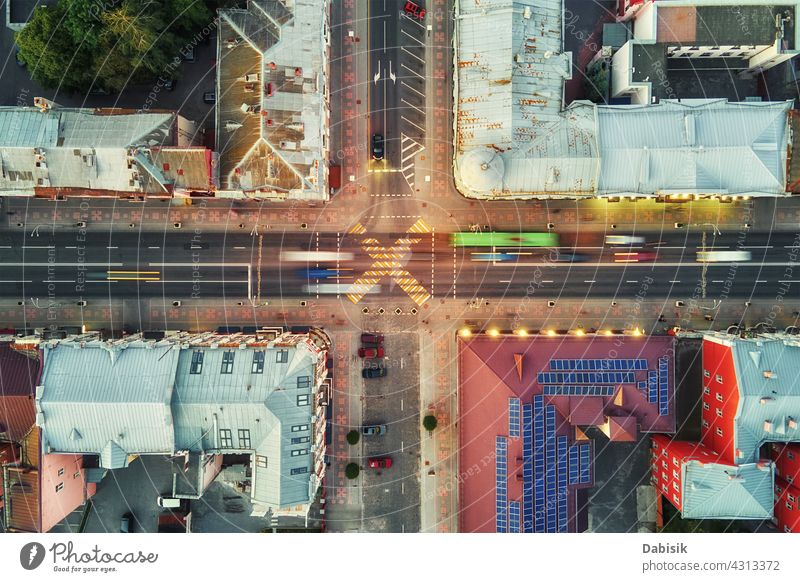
x=18, y=377
x=49, y=149
x=769, y=391
x=525, y=399
x=721, y=491
x=271, y=111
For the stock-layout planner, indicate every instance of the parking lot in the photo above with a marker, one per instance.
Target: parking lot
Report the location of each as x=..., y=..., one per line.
x=391, y=495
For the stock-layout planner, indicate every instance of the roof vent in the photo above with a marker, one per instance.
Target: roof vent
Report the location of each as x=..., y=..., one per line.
x=735, y=478
x=792, y=423
x=765, y=399
x=769, y=374
x=768, y=426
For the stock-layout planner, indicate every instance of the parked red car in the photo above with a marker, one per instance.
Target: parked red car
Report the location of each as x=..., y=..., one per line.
x=380, y=462
x=414, y=10
x=371, y=338
x=370, y=352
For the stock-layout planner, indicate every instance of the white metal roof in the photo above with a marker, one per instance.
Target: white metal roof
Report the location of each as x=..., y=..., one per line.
x=687, y=147
x=719, y=491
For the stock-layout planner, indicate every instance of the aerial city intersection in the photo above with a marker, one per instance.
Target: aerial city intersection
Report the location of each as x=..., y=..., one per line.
x=390, y=266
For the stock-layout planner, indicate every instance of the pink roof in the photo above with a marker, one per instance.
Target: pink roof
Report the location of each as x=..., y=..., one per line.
x=622, y=428
x=489, y=375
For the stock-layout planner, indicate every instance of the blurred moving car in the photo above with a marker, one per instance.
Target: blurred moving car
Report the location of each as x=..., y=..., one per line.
x=497, y=257
x=209, y=97
x=634, y=257
x=624, y=239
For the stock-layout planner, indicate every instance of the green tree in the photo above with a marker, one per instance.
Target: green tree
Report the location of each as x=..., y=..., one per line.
x=352, y=437
x=430, y=423
x=352, y=470
x=77, y=44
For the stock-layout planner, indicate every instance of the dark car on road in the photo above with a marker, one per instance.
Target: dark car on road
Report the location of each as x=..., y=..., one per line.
x=371, y=352
x=373, y=372
x=209, y=97
x=380, y=462
x=373, y=429
x=126, y=523
x=377, y=146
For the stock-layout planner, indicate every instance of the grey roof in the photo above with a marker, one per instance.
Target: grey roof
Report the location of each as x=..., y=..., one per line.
x=775, y=399
x=717, y=491
x=81, y=148
x=107, y=400
x=696, y=146
x=265, y=404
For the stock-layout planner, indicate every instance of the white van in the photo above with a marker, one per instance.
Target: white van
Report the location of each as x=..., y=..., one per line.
x=168, y=502
x=723, y=256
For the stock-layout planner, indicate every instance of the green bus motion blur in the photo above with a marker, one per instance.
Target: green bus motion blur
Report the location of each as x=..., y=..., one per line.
x=504, y=239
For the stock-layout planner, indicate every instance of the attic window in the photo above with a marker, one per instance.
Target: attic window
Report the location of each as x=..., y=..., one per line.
x=767, y=426
x=768, y=374
x=227, y=363
x=282, y=356
x=197, y=363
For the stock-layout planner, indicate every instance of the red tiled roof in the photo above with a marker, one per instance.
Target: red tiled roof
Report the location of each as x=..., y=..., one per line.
x=18, y=377
x=585, y=411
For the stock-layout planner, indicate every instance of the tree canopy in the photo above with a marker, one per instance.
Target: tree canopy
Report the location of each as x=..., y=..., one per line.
x=75, y=45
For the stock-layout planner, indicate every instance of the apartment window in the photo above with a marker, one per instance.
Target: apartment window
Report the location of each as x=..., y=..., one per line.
x=719, y=431
x=61, y=471
x=706, y=391
x=726, y=54
x=303, y=399
x=227, y=363
x=675, y=485
x=226, y=438
x=244, y=438
x=719, y=397
x=261, y=461
x=303, y=381
x=676, y=500
x=790, y=455
x=299, y=427
x=705, y=406
x=299, y=470
x=705, y=424
x=675, y=461
x=282, y=356
x=258, y=362
x=664, y=477
x=718, y=378
x=787, y=529
x=719, y=412
x=675, y=474
x=197, y=363
x=300, y=440
x=694, y=48
x=299, y=452
x=705, y=55
x=59, y=487
x=706, y=374
x=789, y=506
x=664, y=464
x=790, y=497
x=76, y=475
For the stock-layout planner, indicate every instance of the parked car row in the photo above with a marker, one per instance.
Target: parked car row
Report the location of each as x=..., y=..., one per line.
x=372, y=348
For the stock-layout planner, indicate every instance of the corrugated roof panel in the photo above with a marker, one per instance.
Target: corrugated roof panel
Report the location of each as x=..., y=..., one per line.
x=714, y=491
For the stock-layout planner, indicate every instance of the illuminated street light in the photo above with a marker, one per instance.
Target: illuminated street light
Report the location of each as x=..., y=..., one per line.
x=521, y=332
x=493, y=332
x=464, y=332
x=551, y=332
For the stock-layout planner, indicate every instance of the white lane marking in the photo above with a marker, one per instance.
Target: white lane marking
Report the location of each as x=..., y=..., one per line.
x=508, y=281
x=112, y=247
x=239, y=265
x=546, y=281
x=673, y=281
x=590, y=281
x=70, y=247
x=4, y=247
x=717, y=281
x=244, y=282
x=760, y=281
x=402, y=100
x=407, y=86
x=756, y=247
x=412, y=37
x=634, y=281
x=153, y=247
x=239, y=248
x=37, y=247
x=404, y=118
x=788, y=281
x=58, y=281
x=16, y=281
x=405, y=50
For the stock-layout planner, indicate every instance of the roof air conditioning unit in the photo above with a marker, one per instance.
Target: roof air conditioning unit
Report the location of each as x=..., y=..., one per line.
x=764, y=400
x=768, y=374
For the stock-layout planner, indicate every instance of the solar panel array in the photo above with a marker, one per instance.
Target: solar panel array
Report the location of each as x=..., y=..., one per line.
x=527, y=467
x=652, y=386
x=663, y=386
x=567, y=390
x=586, y=377
x=604, y=364
x=538, y=464
x=513, y=516
x=550, y=471
x=501, y=490
x=562, y=483
x=513, y=417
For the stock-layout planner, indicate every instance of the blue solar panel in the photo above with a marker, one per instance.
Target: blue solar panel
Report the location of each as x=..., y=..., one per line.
x=573, y=465
x=539, y=463
x=550, y=472
x=585, y=377
x=585, y=463
x=513, y=417
x=527, y=468
x=501, y=492
x=567, y=390
x=562, y=484
x=598, y=364
x=513, y=516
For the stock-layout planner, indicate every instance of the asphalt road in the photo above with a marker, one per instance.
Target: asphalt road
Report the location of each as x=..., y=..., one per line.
x=69, y=264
